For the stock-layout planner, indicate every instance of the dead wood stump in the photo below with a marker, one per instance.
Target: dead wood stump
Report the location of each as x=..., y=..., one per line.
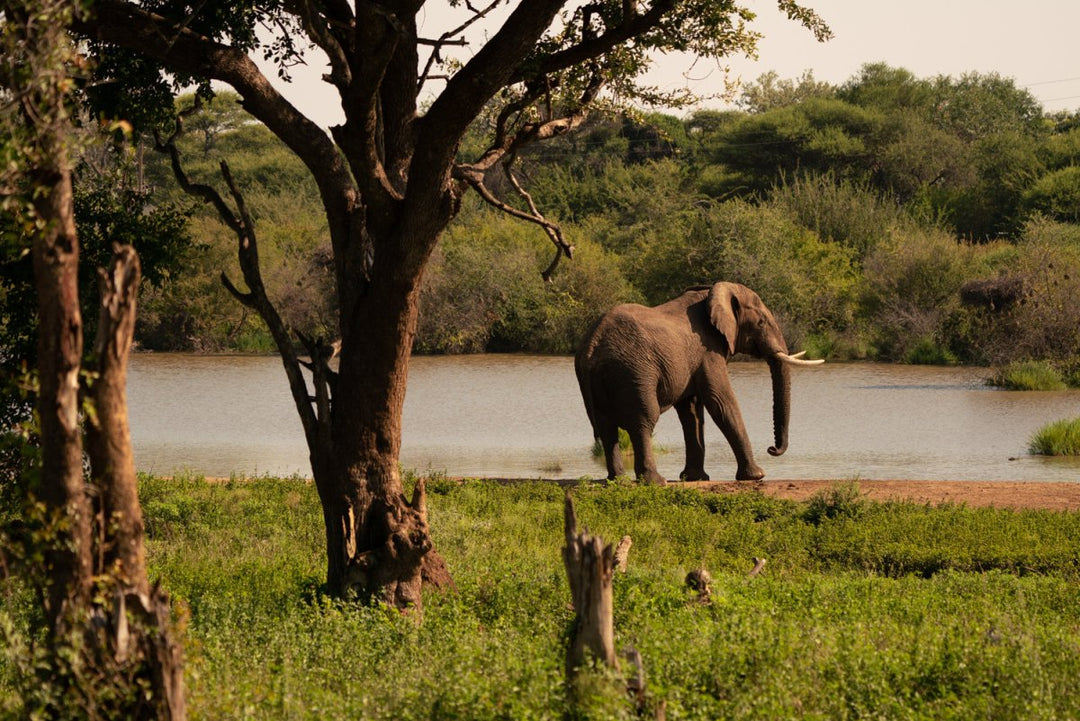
x=590, y=566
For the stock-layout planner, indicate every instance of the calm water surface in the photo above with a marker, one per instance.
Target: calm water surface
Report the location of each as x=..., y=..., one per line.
x=522, y=416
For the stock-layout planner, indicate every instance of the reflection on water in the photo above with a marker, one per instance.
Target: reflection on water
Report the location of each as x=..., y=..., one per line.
x=522, y=416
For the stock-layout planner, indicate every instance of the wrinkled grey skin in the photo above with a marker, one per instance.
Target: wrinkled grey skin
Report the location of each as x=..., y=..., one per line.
x=637, y=362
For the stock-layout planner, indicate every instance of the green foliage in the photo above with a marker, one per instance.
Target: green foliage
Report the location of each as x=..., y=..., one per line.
x=849, y=235
x=1043, y=325
x=1060, y=438
x=843, y=500
x=814, y=136
x=483, y=289
x=910, y=289
x=808, y=283
x=1029, y=376
x=898, y=609
x=1057, y=195
x=194, y=311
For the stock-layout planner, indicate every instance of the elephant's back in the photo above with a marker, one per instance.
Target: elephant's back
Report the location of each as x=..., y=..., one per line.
x=630, y=331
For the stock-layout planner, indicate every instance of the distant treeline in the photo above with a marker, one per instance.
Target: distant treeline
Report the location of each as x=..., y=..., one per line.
x=892, y=217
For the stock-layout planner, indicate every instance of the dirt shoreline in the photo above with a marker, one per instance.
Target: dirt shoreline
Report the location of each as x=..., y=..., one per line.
x=1050, y=495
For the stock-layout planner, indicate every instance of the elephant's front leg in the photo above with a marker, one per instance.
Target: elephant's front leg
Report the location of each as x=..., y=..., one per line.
x=692, y=417
x=724, y=408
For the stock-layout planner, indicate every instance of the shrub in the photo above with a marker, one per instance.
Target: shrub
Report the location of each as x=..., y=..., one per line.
x=808, y=283
x=1057, y=194
x=842, y=500
x=1029, y=376
x=911, y=289
x=843, y=212
x=1060, y=438
x=1041, y=323
x=483, y=290
x=928, y=352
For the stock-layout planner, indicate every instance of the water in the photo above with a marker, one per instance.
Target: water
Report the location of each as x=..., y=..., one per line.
x=522, y=416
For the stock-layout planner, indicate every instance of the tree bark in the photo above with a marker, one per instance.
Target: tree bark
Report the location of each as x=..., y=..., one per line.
x=145, y=646
x=55, y=253
x=590, y=567
x=108, y=435
x=379, y=544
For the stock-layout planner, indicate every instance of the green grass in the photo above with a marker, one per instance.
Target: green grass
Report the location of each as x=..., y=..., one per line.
x=1060, y=438
x=864, y=609
x=1030, y=376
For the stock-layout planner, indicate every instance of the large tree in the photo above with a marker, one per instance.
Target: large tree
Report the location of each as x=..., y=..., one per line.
x=390, y=181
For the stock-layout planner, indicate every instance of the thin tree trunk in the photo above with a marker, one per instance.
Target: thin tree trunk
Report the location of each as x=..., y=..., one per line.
x=55, y=258
x=108, y=434
x=146, y=646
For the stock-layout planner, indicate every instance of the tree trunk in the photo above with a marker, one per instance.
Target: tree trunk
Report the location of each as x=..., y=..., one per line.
x=140, y=645
x=378, y=542
x=108, y=435
x=55, y=258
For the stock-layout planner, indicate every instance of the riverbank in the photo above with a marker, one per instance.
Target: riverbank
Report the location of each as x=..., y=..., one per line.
x=1047, y=495
x=1044, y=495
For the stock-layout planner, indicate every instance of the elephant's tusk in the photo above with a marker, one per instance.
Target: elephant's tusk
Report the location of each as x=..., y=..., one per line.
x=798, y=360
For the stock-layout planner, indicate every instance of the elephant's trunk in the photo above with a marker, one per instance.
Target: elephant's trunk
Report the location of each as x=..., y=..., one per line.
x=781, y=383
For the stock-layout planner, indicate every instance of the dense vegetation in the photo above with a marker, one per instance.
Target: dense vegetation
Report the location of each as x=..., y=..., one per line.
x=863, y=610
x=893, y=218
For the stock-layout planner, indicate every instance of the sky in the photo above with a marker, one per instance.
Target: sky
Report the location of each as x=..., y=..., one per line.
x=1035, y=43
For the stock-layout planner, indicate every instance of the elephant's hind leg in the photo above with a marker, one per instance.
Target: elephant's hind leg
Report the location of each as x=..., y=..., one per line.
x=641, y=439
x=692, y=417
x=608, y=433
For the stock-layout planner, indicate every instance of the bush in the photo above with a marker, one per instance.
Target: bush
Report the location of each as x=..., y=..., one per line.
x=483, y=290
x=1042, y=323
x=806, y=282
x=1057, y=195
x=1060, y=438
x=843, y=212
x=911, y=290
x=1029, y=376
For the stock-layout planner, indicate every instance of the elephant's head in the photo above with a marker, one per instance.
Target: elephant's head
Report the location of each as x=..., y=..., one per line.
x=748, y=326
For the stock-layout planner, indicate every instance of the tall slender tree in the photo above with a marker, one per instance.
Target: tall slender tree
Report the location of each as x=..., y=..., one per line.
x=390, y=181
x=108, y=632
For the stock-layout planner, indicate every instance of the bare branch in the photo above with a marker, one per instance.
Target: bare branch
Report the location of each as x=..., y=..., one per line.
x=199, y=190
x=593, y=46
x=248, y=252
x=450, y=38
x=553, y=231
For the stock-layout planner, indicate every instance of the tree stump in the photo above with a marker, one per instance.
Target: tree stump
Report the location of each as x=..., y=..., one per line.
x=590, y=566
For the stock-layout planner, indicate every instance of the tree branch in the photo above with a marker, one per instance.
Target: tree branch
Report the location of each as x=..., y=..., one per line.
x=125, y=25
x=592, y=47
x=321, y=33
x=451, y=38
x=243, y=227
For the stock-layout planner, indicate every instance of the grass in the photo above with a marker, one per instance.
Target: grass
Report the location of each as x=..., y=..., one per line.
x=865, y=609
x=1030, y=376
x=1060, y=438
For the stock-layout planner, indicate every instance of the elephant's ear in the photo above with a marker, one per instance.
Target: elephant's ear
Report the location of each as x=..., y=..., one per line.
x=723, y=307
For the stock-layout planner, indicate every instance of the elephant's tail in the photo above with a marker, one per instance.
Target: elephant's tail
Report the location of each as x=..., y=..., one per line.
x=587, y=394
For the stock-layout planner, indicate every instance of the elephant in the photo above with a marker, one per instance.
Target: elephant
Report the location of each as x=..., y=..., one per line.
x=636, y=362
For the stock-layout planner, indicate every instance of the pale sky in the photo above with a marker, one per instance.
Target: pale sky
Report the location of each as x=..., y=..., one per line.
x=1036, y=43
